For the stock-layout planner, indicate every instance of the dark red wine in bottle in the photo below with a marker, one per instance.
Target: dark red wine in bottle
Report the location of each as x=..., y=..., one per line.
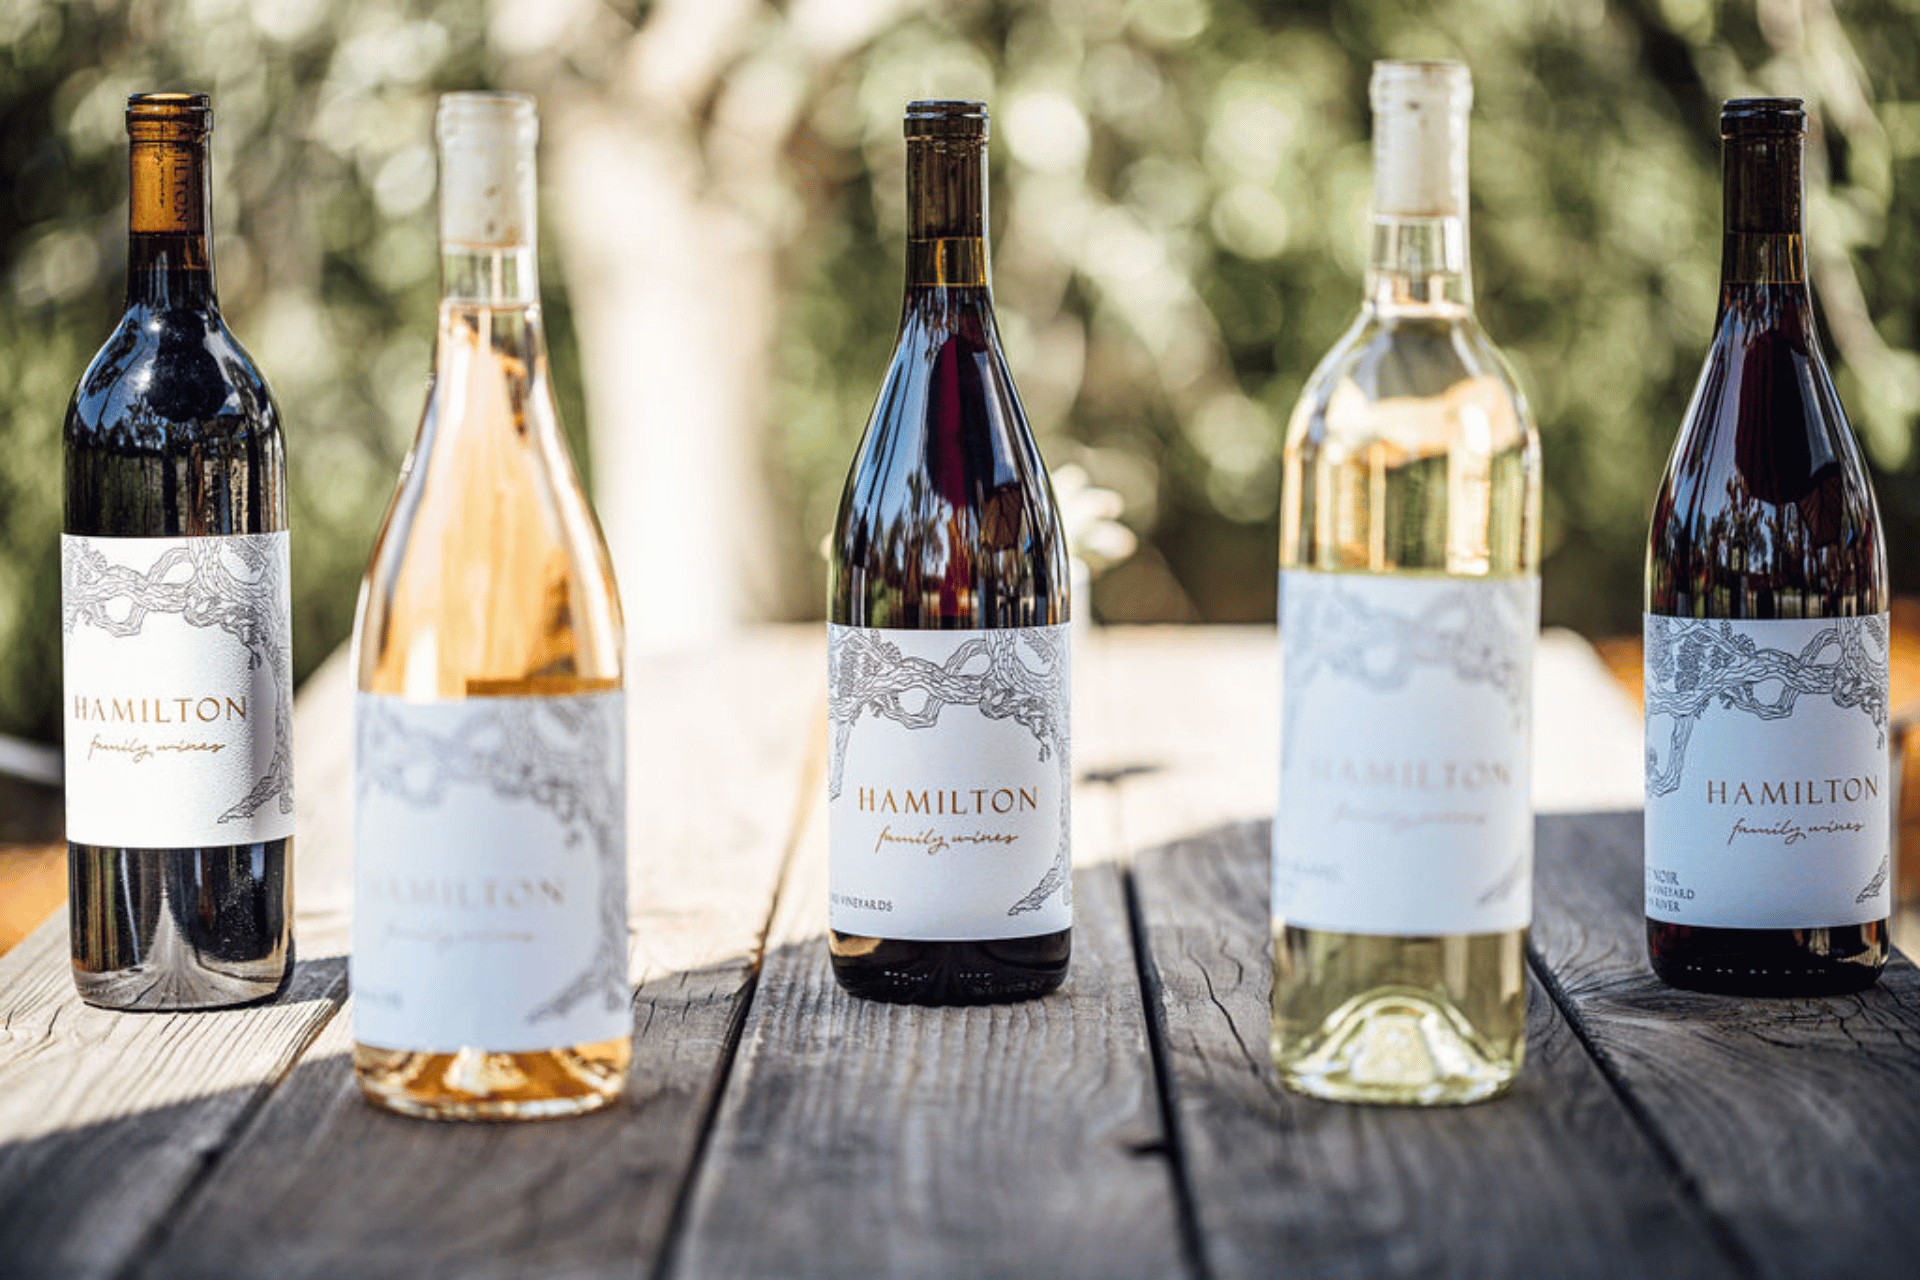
x=948, y=780
x=175, y=616
x=1768, y=786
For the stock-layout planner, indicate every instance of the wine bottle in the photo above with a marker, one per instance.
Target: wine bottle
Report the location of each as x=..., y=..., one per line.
x=948, y=781
x=1768, y=783
x=176, y=635
x=490, y=936
x=1409, y=609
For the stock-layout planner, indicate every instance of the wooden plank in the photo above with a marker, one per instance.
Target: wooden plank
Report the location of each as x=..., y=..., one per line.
x=1797, y=1122
x=858, y=1138
x=323, y=1185
x=109, y=1119
x=1553, y=1180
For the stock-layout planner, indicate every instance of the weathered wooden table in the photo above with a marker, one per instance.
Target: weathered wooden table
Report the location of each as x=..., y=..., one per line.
x=1128, y=1126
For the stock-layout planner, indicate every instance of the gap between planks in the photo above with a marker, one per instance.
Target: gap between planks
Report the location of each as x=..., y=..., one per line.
x=312, y=1181
x=1011, y=1140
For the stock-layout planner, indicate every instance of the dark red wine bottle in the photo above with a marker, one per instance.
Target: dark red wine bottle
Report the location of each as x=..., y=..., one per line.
x=948, y=780
x=176, y=638
x=1768, y=785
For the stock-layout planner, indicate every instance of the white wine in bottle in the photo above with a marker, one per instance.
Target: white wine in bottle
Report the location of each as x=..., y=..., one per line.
x=490, y=929
x=1409, y=606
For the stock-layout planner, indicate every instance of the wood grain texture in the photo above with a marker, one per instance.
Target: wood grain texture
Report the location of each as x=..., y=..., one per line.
x=1553, y=1180
x=858, y=1138
x=1707, y=1137
x=1796, y=1122
x=323, y=1185
x=111, y=1119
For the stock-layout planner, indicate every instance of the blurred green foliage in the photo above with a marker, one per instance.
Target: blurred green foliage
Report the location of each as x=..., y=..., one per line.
x=324, y=253
x=1180, y=191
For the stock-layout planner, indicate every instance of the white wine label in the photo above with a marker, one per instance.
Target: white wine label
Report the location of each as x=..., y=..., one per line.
x=1405, y=768
x=177, y=679
x=490, y=873
x=949, y=786
x=1768, y=787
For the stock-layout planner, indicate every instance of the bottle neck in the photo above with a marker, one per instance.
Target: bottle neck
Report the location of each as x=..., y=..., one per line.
x=1418, y=266
x=1418, y=260
x=490, y=347
x=169, y=256
x=502, y=277
x=947, y=215
x=1763, y=258
x=489, y=208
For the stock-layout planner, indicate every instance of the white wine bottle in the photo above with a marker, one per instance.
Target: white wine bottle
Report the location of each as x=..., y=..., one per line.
x=948, y=783
x=1409, y=609
x=489, y=929
x=176, y=621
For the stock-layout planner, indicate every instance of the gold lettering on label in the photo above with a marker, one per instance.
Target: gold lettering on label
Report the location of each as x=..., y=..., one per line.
x=1795, y=793
x=950, y=803
x=201, y=708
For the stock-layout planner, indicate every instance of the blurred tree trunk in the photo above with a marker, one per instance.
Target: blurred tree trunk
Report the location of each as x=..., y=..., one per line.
x=663, y=144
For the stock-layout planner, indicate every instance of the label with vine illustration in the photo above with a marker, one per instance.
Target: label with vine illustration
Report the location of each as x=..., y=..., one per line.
x=1405, y=770
x=1768, y=780
x=177, y=690
x=948, y=784
x=489, y=873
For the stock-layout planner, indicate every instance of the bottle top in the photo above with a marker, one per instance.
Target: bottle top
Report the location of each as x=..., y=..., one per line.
x=172, y=116
x=1743, y=117
x=1761, y=140
x=167, y=187
x=958, y=119
x=1420, y=138
x=487, y=168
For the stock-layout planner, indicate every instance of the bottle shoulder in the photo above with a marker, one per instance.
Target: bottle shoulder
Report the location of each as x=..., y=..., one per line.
x=1766, y=507
x=1413, y=381
x=948, y=420
x=170, y=367
x=489, y=572
x=948, y=512
x=1764, y=384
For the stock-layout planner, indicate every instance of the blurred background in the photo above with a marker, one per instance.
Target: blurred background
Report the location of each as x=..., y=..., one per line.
x=1179, y=194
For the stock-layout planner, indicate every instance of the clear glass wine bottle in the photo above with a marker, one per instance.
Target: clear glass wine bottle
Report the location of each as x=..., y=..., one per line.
x=1409, y=606
x=490, y=935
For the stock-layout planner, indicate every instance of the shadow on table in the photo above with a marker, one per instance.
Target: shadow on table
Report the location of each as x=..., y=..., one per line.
x=1554, y=1179
x=309, y=1180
